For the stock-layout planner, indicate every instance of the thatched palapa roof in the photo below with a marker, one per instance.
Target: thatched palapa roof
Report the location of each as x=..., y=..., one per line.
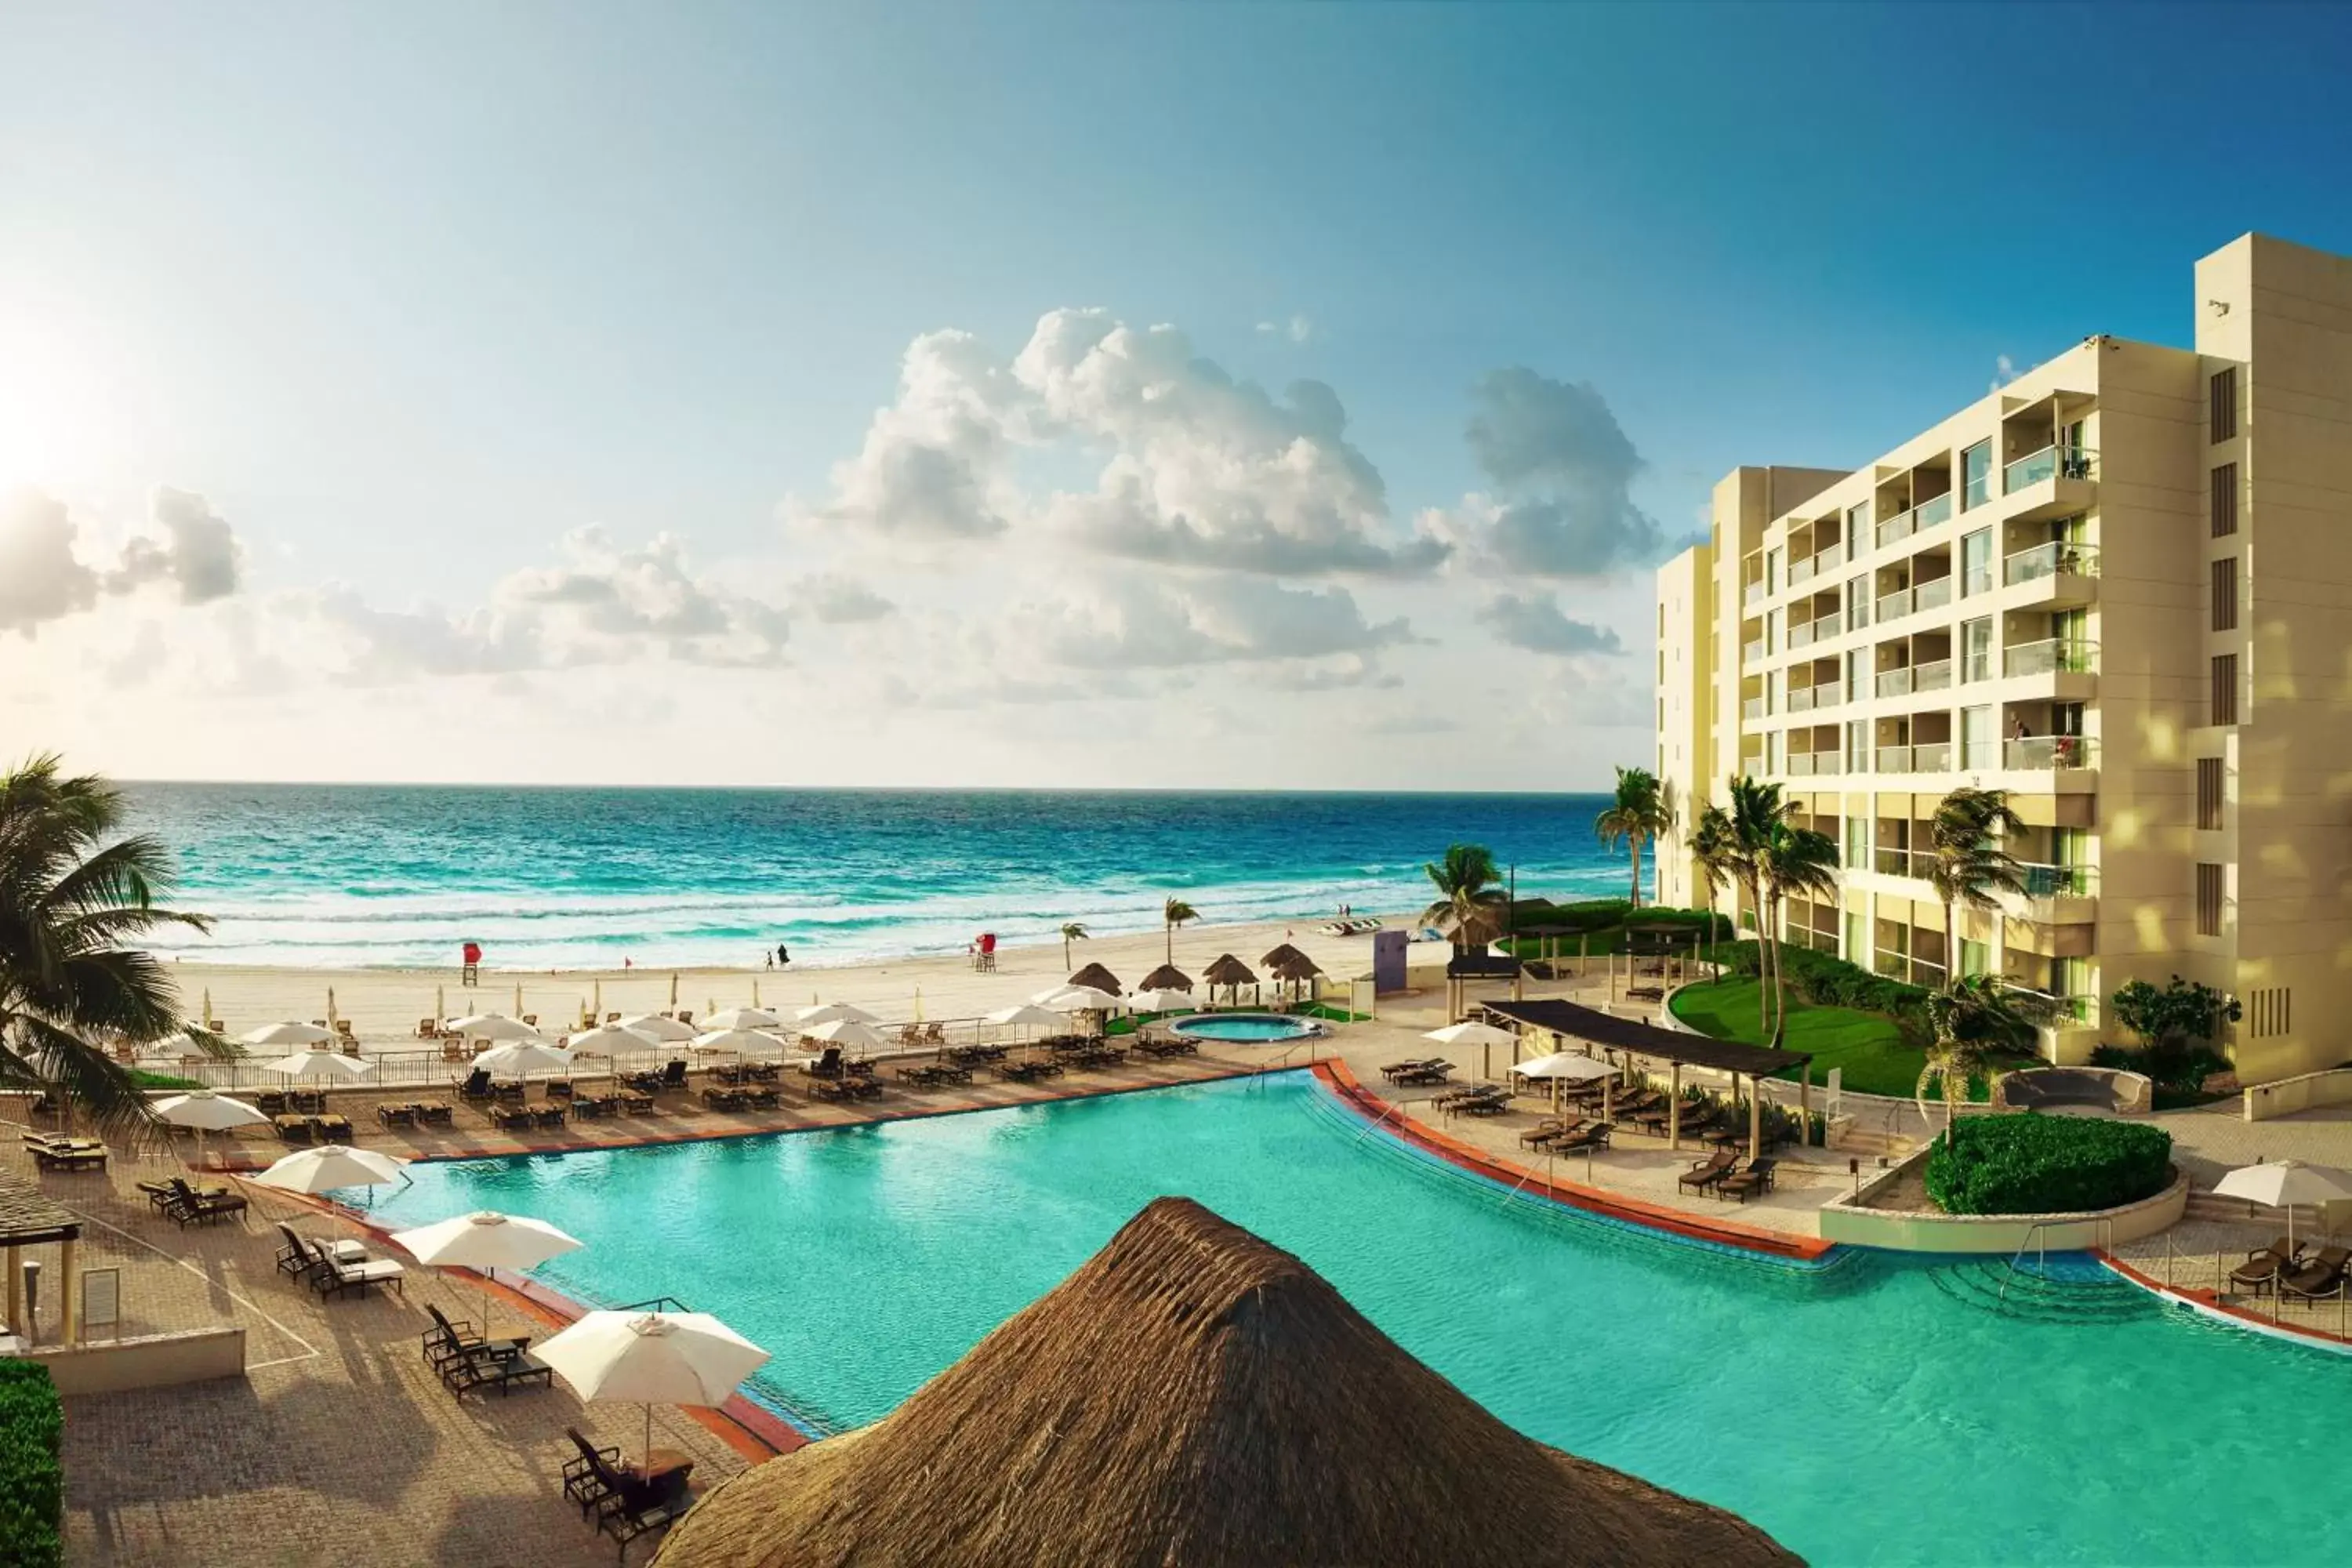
x=1287, y=962
x=1167, y=977
x=1095, y=975
x=1193, y=1396
x=1230, y=971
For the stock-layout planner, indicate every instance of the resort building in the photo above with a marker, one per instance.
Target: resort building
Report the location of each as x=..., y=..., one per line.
x=2119, y=588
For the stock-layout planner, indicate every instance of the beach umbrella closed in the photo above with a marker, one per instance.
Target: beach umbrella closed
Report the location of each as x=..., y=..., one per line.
x=493, y=1026
x=740, y=1018
x=654, y=1026
x=206, y=1112
x=847, y=1032
x=522, y=1058
x=652, y=1358
x=319, y=1067
x=486, y=1241
x=2283, y=1184
x=290, y=1032
x=833, y=1013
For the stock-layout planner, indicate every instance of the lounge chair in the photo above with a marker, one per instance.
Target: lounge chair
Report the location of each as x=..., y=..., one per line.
x=503, y=1115
x=295, y=1258
x=332, y=1129
x=396, y=1115
x=723, y=1098
x=332, y=1275
x=2322, y=1276
x=446, y=1340
x=1591, y=1135
x=432, y=1113
x=1549, y=1128
x=2263, y=1268
x=827, y=1064
x=50, y=1154
x=500, y=1364
x=763, y=1099
x=161, y=1196
x=1707, y=1171
x=293, y=1128
x=624, y=1502
x=187, y=1206
x=1756, y=1178
x=636, y=1102
x=475, y=1085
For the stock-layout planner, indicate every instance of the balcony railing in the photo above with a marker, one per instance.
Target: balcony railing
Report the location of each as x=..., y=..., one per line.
x=2043, y=753
x=1895, y=863
x=1808, y=763
x=1897, y=682
x=1801, y=570
x=1752, y=708
x=1935, y=675
x=1751, y=653
x=1929, y=513
x=1975, y=580
x=1825, y=560
x=1894, y=606
x=1800, y=634
x=1901, y=526
x=2050, y=560
x=2046, y=881
x=1800, y=700
x=1755, y=594
x=2052, y=656
x=1932, y=595
x=1927, y=757
x=2060, y=462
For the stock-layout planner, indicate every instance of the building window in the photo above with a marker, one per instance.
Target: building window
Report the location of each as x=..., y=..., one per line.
x=1857, y=604
x=1977, y=740
x=1976, y=649
x=2225, y=501
x=2208, y=900
x=1857, y=746
x=1976, y=475
x=2225, y=688
x=2269, y=1011
x=1857, y=843
x=1857, y=524
x=2225, y=594
x=2209, y=794
x=1854, y=692
x=1976, y=562
x=2225, y=403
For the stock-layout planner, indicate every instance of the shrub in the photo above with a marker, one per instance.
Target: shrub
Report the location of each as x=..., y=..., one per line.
x=2033, y=1163
x=1826, y=980
x=2179, y=1066
x=32, y=1487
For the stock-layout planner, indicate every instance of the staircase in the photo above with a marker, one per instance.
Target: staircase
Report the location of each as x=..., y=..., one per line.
x=1869, y=1145
x=2072, y=1290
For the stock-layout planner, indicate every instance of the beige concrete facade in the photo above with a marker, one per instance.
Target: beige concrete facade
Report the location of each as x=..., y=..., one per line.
x=2041, y=593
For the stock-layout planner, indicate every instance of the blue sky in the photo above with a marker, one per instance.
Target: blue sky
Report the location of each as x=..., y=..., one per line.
x=408, y=296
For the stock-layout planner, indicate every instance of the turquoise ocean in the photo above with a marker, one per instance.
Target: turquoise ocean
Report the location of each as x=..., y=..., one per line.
x=366, y=875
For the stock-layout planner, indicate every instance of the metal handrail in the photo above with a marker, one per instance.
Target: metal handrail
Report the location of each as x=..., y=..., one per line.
x=2040, y=1227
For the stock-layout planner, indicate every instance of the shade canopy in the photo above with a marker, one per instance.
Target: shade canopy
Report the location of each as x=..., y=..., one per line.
x=846, y=1033
x=492, y=1027
x=290, y=1032
x=1566, y=1065
x=206, y=1110
x=654, y=1026
x=1229, y=970
x=740, y=1018
x=665, y=1358
x=1194, y=1397
x=2283, y=1184
x=1161, y=1001
x=329, y=1167
x=603, y=1041
x=736, y=1040
x=1027, y=1013
x=1581, y=1023
x=1167, y=977
x=320, y=1066
x=1094, y=977
x=1472, y=1034
x=833, y=1013
x=486, y=1239
x=522, y=1057
x=1082, y=999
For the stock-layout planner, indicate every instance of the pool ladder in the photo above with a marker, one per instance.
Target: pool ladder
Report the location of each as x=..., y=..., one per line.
x=2040, y=1227
x=1258, y=1073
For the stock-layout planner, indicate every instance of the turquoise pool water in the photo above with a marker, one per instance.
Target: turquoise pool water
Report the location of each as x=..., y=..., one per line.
x=1246, y=1028
x=1875, y=1412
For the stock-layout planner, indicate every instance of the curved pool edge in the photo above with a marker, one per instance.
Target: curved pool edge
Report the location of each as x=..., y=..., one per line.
x=2206, y=1304
x=1808, y=1251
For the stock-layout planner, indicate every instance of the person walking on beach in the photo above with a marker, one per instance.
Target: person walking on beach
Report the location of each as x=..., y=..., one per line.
x=783, y=956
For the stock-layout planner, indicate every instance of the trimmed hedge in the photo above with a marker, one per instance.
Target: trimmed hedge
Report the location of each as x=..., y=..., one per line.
x=2032, y=1163
x=32, y=1486
x=1826, y=980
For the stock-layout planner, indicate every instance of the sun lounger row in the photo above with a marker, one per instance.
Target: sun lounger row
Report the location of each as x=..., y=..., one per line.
x=185, y=1206
x=331, y=1268
x=935, y=1074
x=1165, y=1046
x=1420, y=1071
x=315, y=1128
x=278, y=1101
x=737, y=1074
x=60, y=1153
x=1479, y=1099
x=1028, y=1072
x=1349, y=927
x=838, y=1090
x=414, y=1113
x=2292, y=1269
x=1565, y=1135
x=1719, y=1175
x=654, y=1080
x=976, y=1055
x=723, y=1098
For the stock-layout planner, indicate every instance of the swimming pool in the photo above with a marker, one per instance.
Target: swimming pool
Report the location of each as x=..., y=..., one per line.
x=1876, y=1410
x=1246, y=1028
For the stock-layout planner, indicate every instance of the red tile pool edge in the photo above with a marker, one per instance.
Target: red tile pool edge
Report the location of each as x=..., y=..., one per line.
x=1336, y=1077
x=2210, y=1303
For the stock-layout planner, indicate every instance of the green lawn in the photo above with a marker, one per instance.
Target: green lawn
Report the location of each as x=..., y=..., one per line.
x=1867, y=1046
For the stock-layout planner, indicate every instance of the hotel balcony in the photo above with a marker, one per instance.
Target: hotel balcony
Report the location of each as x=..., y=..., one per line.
x=1810, y=698
x=2062, y=574
x=1927, y=515
x=1752, y=708
x=1754, y=593
x=2055, y=481
x=1934, y=675
x=1900, y=862
x=1752, y=652
x=2059, y=895
x=1813, y=765
x=1930, y=757
x=2048, y=753
x=2051, y=655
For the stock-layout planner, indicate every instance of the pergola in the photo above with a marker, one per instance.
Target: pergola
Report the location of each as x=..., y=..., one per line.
x=28, y=1219
x=1572, y=1020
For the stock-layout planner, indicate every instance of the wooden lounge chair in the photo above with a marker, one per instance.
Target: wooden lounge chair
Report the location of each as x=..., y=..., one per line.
x=501, y=1364
x=1549, y=1128
x=2322, y=1276
x=445, y=1340
x=723, y=1098
x=162, y=1194
x=1756, y=1178
x=763, y=1098
x=636, y=1102
x=67, y=1154
x=187, y=1206
x=475, y=1085
x=332, y=1129
x=1707, y=1171
x=1591, y=1135
x=433, y=1112
x=2262, y=1269
x=547, y=1114
x=332, y=1275
x=503, y=1115
x=295, y=1258
x=396, y=1115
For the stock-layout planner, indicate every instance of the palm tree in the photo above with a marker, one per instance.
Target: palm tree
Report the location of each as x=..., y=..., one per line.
x=1971, y=1015
x=1175, y=912
x=71, y=893
x=1757, y=810
x=1967, y=864
x=1714, y=848
x=1792, y=861
x=1638, y=815
x=1071, y=932
x=1467, y=900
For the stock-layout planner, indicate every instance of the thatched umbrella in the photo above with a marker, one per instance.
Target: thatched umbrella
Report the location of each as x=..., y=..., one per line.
x=1167, y=977
x=1231, y=972
x=1193, y=1396
x=1095, y=976
x=1291, y=966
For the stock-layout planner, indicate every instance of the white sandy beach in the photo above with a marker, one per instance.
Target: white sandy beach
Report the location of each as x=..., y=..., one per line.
x=384, y=1006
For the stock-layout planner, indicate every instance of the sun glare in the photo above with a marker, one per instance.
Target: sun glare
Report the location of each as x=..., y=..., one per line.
x=52, y=403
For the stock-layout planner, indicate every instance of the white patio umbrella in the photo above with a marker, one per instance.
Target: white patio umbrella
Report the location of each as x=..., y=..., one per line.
x=654, y=1026
x=2283, y=1184
x=522, y=1058
x=486, y=1241
x=834, y=1012
x=1162, y=1001
x=1562, y=1066
x=847, y=1032
x=493, y=1026
x=740, y=1018
x=331, y=1167
x=1026, y=1014
x=324, y=1067
x=206, y=1112
x=654, y=1358
x=606, y=1038
x=1082, y=999
x=290, y=1032
x=1470, y=1033
x=741, y=1041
